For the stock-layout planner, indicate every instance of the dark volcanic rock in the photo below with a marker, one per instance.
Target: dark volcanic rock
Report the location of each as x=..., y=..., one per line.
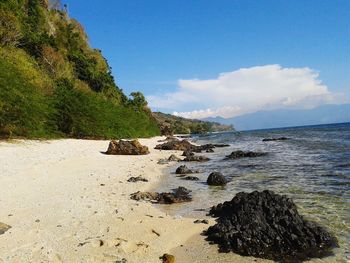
x=174, y=158
x=275, y=139
x=183, y=169
x=196, y=158
x=242, y=154
x=190, y=178
x=178, y=145
x=179, y=195
x=137, y=179
x=267, y=225
x=127, y=148
x=187, y=153
x=184, y=145
x=216, y=178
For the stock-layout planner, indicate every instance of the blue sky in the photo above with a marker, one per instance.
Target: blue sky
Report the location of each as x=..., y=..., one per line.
x=152, y=44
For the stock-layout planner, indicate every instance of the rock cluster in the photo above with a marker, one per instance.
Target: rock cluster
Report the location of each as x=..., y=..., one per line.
x=216, y=178
x=127, y=148
x=179, y=195
x=184, y=145
x=267, y=225
x=242, y=154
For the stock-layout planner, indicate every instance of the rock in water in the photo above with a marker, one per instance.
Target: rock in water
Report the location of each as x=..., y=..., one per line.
x=242, y=154
x=267, y=225
x=183, y=169
x=191, y=178
x=216, y=178
x=196, y=158
x=127, y=148
x=275, y=139
x=4, y=228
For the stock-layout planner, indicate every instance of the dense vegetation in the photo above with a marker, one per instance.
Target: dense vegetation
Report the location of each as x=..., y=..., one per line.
x=170, y=124
x=53, y=84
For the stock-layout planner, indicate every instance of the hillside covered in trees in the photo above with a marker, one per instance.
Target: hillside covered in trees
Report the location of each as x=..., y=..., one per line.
x=53, y=84
x=170, y=124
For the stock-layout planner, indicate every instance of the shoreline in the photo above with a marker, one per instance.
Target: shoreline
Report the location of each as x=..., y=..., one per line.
x=67, y=202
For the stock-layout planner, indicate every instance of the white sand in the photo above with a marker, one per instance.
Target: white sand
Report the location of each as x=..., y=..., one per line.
x=61, y=197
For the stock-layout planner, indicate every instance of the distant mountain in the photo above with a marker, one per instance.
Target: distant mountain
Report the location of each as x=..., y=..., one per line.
x=286, y=118
x=170, y=124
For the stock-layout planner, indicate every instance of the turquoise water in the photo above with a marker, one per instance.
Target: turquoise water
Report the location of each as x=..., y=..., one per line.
x=313, y=168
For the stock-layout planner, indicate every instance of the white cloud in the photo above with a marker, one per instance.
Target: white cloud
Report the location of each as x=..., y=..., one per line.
x=246, y=90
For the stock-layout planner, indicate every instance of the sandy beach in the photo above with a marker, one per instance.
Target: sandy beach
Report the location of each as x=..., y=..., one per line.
x=67, y=202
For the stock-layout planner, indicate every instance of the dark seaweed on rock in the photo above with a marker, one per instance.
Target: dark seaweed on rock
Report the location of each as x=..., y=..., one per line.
x=267, y=225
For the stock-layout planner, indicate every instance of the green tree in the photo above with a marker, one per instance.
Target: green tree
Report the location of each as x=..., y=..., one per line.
x=138, y=99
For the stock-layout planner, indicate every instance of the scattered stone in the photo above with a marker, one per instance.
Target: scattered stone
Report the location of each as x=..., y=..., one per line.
x=275, y=139
x=168, y=258
x=137, y=179
x=179, y=195
x=196, y=158
x=173, y=158
x=123, y=260
x=204, y=221
x=155, y=232
x=4, y=228
x=37, y=221
x=216, y=178
x=183, y=169
x=267, y=225
x=242, y=154
x=97, y=243
x=209, y=151
x=83, y=243
x=127, y=148
x=190, y=178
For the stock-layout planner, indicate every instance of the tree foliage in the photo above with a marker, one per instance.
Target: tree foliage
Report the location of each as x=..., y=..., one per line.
x=52, y=83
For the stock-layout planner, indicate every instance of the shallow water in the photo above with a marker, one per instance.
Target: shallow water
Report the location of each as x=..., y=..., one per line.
x=312, y=167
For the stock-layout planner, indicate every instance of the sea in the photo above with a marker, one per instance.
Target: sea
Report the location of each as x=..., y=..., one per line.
x=312, y=167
